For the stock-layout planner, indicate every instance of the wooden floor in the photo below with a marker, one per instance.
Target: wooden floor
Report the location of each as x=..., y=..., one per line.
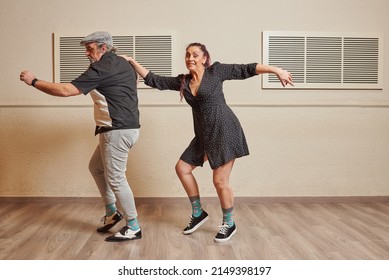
x=59, y=229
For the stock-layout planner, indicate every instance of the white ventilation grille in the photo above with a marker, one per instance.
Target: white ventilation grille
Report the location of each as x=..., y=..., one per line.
x=154, y=52
x=318, y=60
x=72, y=60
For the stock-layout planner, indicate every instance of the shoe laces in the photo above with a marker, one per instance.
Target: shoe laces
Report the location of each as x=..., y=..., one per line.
x=224, y=228
x=104, y=218
x=124, y=230
x=191, y=221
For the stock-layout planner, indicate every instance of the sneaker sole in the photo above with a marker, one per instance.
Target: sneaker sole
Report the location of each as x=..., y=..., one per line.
x=118, y=239
x=122, y=239
x=196, y=227
x=225, y=239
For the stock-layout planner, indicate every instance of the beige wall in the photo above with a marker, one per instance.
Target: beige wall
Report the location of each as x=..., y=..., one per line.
x=302, y=142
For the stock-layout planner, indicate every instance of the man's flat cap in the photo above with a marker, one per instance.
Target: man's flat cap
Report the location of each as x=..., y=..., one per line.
x=100, y=37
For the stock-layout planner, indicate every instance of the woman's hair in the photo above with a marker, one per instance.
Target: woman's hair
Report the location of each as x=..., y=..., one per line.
x=207, y=63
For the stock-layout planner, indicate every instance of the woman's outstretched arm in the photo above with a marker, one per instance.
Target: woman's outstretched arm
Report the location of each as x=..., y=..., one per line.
x=283, y=75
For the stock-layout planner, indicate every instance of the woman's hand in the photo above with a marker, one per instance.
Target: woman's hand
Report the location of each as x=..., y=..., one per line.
x=285, y=77
x=128, y=58
x=139, y=68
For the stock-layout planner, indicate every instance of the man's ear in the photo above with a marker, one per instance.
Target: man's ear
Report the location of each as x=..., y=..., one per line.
x=104, y=48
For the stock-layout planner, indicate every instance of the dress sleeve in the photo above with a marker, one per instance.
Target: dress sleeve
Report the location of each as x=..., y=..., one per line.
x=234, y=71
x=163, y=83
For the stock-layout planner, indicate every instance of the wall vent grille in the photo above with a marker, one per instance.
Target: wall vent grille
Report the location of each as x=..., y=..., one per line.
x=155, y=52
x=318, y=60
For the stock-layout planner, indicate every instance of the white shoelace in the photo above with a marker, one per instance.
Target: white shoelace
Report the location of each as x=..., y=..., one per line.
x=223, y=228
x=191, y=220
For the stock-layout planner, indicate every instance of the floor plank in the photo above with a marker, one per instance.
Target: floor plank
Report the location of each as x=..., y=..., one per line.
x=66, y=229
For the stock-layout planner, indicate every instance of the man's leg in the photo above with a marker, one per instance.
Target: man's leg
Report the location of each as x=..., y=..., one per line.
x=96, y=168
x=115, y=146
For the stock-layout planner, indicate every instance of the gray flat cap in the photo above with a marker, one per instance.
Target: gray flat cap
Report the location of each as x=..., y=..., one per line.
x=100, y=37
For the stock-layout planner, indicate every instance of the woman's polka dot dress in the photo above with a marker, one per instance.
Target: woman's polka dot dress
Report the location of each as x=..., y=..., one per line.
x=218, y=133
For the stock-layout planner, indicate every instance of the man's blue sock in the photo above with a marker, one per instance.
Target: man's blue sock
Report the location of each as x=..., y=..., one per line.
x=133, y=224
x=110, y=209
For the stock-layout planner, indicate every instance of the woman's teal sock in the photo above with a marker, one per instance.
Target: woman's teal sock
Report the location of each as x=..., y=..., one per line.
x=196, y=206
x=227, y=216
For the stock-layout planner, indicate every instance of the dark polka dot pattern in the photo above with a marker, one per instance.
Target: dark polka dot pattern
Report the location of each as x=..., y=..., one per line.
x=218, y=133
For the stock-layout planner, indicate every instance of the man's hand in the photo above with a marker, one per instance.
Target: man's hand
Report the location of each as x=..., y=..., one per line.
x=27, y=77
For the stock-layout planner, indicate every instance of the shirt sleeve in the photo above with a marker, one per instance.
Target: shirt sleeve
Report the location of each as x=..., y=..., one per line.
x=87, y=81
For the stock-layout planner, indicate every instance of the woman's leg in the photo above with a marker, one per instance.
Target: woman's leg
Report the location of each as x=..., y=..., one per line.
x=188, y=181
x=221, y=180
x=199, y=216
